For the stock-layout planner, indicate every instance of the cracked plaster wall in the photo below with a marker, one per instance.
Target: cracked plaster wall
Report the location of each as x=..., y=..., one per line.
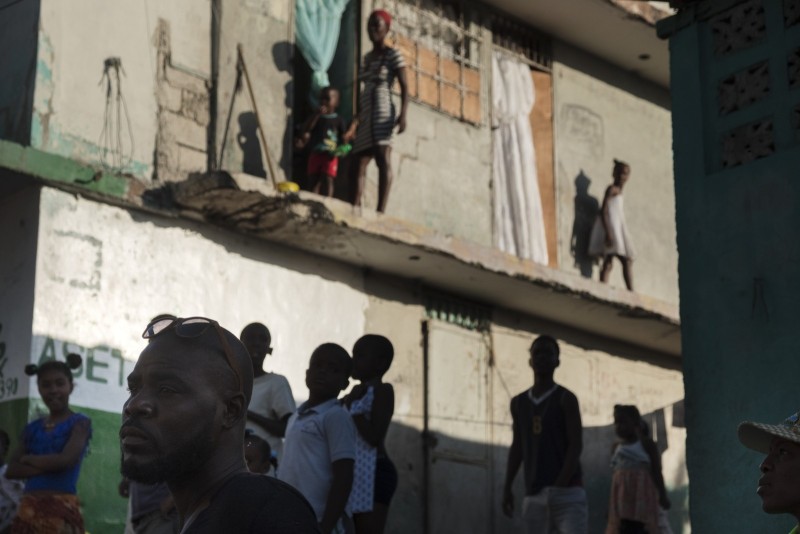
x=442, y=176
x=74, y=39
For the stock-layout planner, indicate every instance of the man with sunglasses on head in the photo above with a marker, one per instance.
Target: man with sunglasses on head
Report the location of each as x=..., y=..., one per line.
x=183, y=424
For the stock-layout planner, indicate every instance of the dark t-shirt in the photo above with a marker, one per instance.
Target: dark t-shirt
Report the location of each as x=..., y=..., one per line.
x=256, y=504
x=327, y=133
x=542, y=431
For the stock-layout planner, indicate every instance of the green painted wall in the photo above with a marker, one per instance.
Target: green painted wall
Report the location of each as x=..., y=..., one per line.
x=739, y=251
x=103, y=509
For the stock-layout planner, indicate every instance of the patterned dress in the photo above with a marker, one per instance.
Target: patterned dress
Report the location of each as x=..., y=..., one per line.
x=376, y=111
x=362, y=495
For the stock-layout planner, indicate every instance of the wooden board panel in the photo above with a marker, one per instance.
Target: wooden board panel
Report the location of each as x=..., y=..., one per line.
x=541, y=118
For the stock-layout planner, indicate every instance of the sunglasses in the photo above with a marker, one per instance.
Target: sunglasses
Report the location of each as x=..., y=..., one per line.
x=191, y=327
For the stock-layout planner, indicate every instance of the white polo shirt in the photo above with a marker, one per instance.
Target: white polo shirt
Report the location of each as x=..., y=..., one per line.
x=315, y=438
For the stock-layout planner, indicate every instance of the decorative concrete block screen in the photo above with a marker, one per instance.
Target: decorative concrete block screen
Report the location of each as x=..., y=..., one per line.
x=753, y=56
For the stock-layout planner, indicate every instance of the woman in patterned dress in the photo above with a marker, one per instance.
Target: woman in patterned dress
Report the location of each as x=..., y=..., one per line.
x=376, y=112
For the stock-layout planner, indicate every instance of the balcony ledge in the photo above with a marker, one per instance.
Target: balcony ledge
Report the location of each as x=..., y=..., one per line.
x=364, y=238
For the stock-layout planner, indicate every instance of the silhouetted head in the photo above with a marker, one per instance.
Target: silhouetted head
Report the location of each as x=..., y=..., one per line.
x=544, y=355
x=627, y=422
x=328, y=371
x=372, y=356
x=257, y=339
x=187, y=407
x=582, y=183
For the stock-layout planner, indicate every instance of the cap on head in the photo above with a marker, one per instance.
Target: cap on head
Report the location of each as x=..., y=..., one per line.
x=758, y=436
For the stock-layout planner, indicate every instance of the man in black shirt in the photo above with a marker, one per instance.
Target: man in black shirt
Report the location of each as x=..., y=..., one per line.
x=184, y=424
x=548, y=440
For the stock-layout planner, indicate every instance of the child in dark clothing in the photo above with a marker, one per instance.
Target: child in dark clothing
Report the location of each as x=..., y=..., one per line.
x=325, y=131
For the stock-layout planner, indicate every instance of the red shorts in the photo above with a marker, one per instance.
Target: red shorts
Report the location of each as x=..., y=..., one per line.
x=322, y=163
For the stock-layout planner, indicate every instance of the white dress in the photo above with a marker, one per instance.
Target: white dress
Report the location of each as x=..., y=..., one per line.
x=622, y=245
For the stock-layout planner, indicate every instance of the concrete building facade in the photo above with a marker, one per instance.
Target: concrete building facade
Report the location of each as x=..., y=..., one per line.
x=150, y=193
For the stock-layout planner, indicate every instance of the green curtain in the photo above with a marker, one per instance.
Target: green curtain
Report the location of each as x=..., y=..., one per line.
x=317, y=24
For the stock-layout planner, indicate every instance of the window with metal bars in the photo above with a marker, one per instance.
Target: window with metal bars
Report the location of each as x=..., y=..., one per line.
x=520, y=39
x=441, y=43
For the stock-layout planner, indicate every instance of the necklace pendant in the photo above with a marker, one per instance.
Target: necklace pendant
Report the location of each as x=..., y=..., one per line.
x=537, y=425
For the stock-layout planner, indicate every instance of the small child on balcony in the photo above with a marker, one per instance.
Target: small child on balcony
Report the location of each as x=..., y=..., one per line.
x=325, y=131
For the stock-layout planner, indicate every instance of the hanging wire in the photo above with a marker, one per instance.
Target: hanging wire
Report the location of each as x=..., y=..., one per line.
x=116, y=155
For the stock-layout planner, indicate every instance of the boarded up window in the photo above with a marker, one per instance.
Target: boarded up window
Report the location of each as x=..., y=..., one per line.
x=441, y=45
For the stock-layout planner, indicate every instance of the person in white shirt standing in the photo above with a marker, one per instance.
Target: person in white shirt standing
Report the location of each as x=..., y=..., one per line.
x=272, y=402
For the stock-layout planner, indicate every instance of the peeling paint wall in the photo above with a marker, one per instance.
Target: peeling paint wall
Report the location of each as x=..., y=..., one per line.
x=602, y=113
x=102, y=272
x=71, y=104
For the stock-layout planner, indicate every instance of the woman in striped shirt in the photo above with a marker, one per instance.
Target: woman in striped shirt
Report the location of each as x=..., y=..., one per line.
x=376, y=112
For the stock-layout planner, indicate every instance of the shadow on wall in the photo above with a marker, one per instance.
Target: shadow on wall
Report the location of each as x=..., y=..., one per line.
x=436, y=482
x=587, y=208
x=247, y=139
x=282, y=53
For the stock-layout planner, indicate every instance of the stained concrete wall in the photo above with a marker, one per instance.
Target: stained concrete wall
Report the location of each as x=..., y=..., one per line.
x=265, y=31
x=601, y=374
x=442, y=166
x=69, y=112
x=165, y=50
x=103, y=272
x=442, y=176
x=600, y=113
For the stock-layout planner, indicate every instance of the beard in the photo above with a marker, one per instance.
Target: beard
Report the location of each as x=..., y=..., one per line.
x=183, y=462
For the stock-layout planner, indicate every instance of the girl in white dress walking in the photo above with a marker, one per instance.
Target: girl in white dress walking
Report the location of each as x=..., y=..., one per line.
x=610, y=237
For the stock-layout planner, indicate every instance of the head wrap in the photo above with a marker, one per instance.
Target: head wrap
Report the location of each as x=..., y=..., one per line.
x=382, y=13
